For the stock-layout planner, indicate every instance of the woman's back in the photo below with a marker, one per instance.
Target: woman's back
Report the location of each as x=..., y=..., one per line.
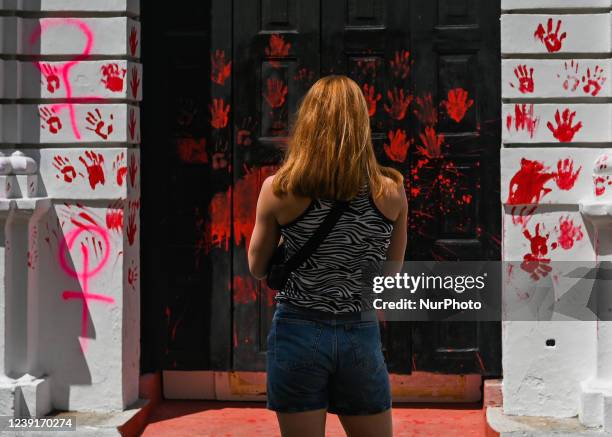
x=331, y=279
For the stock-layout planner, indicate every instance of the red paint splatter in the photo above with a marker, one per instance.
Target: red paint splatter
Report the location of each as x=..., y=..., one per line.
x=245, y=202
x=400, y=64
x=134, y=82
x=565, y=129
x=192, y=150
x=524, y=119
x=565, y=176
x=527, y=184
x=457, y=104
x=245, y=290
x=398, y=103
x=96, y=124
x=276, y=92
x=398, y=147
x=134, y=206
x=94, y=164
x=371, y=97
x=431, y=143
x=52, y=121
x=219, y=212
x=551, y=39
x=133, y=41
x=600, y=182
x=305, y=76
x=568, y=233
x=535, y=262
x=525, y=78
x=593, y=84
x=220, y=68
x=120, y=168
x=86, y=273
x=113, y=76
x=219, y=112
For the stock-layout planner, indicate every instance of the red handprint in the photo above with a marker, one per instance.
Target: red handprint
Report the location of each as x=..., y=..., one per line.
x=277, y=47
x=133, y=170
x=97, y=124
x=432, y=143
x=399, y=103
x=131, y=227
x=50, y=73
x=135, y=82
x=400, y=65
x=565, y=176
x=53, y=121
x=132, y=124
x=398, y=147
x=571, y=80
x=524, y=119
x=275, y=93
x=220, y=69
x=94, y=164
x=535, y=263
x=112, y=77
x=457, y=104
x=552, y=40
x=564, y=132
x=133, y=41
x=593, y=84
x=120, y=168
x=114, y=216
x=426, y=111
x=525, y=78
x=65, y=167
x=371, y=97
x=218, y=112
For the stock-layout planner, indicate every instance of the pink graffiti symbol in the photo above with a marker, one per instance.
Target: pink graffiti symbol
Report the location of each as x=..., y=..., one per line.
x=86, y=273
x=64, y=71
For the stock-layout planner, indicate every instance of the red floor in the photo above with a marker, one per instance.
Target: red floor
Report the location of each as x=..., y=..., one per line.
x=240, y=419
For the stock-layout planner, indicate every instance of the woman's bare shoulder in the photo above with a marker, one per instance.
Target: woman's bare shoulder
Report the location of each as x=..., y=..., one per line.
x=392, y=199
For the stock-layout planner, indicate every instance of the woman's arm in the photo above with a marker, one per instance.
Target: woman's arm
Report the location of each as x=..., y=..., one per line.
x=266, y=233
x=399, y=237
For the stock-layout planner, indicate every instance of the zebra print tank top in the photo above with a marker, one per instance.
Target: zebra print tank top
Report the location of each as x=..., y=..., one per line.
x=331, y=279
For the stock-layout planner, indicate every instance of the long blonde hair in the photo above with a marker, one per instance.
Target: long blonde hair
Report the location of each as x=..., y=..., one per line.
x=330, y=153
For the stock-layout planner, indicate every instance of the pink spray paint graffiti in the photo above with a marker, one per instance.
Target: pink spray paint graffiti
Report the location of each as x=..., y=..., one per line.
x=87, y=272
x=64, y=70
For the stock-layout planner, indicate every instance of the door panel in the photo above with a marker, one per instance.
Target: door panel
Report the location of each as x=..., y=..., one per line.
x=276, y=58
x=454, y=184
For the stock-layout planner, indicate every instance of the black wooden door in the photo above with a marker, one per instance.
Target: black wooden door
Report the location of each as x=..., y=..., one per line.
x=430, y=73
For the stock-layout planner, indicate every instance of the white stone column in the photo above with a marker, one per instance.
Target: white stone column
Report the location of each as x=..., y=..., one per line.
x=596, y=397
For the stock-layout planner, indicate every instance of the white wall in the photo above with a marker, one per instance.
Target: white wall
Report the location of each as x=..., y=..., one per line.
x=72, y=83
x=554, y=85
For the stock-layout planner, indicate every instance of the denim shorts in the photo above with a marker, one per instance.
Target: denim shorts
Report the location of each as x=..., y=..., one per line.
x=317, y=361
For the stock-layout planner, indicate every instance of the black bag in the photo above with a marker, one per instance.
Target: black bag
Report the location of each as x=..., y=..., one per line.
x=279, y=269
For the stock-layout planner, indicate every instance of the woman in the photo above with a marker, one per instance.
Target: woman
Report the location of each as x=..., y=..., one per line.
x=324, y=352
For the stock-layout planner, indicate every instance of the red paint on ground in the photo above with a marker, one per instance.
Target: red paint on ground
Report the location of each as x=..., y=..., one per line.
x=241, y=419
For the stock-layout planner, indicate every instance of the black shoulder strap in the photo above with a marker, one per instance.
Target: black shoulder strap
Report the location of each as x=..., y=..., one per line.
x=317, y=238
